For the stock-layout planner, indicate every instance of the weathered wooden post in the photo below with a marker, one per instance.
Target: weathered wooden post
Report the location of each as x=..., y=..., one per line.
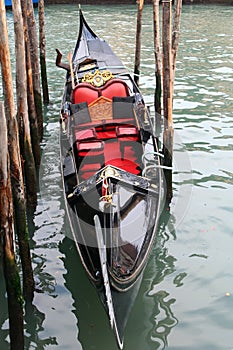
x=25, y=48
x=158, y=68
x=22, y=106
x=12, y=280
x=42, y=43
x=167, y=94
x=33, y=40
x=34, y=130
x=176, y=35
x=15, y=159
x=138, y=41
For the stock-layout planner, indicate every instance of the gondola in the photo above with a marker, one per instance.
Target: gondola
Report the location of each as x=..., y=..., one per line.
x=111, y=173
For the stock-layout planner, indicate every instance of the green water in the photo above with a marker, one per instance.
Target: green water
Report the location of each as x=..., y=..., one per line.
x=182, y=303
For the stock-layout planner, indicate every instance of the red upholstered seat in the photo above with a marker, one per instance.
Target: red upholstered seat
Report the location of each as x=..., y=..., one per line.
x=85, y=92
x=88, y=170
x=90, y=157
x=106, y=131
x=85, y=135
x=115, y=87
x=90, y=148
x=126, y=135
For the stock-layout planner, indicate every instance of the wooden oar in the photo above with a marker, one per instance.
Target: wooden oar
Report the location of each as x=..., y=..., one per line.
x=71, y=69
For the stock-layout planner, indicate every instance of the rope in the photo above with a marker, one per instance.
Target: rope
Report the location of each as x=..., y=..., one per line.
x=155, y=166
x=151, y=153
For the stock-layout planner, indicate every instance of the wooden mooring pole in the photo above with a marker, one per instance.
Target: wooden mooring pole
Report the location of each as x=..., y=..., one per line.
x=17, y=180
x=176, y=35
x=158, y=69
x=167, y=94
x=22, y=106
x=33, y=40
x=171, y=35
x=138, y=41
x=42, y=44
x=12, y=279
x=20, y=10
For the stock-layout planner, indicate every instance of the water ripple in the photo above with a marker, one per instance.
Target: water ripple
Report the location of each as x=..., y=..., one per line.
x=183, y=304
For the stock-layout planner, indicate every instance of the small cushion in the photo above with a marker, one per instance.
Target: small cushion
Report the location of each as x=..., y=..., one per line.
x=87, y=134
x=92, y=148
x=127, y=132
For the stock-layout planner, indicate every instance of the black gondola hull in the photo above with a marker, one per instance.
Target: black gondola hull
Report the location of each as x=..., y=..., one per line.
x=111, y=174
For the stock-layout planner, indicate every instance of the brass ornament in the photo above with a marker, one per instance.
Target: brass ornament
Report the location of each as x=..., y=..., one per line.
x=108, y=172
x=98, y=78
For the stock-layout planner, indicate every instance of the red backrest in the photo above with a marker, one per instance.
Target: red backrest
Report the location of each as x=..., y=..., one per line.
x=115, y=87
x=85, y=93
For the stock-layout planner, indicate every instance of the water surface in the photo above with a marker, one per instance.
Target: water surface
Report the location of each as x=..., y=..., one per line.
x=182, y=303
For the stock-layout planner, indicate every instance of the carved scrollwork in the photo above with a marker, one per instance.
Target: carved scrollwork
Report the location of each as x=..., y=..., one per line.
x=98, y=78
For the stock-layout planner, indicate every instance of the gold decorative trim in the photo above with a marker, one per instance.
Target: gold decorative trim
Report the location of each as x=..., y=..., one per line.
x=108, y=171
x=98, y=78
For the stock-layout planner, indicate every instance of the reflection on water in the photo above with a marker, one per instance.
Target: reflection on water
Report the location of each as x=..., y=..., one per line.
x=91, y=318
x=182, y=303
x=163, y=318
x=158, y=317
x=3, y=313
x=34, y=320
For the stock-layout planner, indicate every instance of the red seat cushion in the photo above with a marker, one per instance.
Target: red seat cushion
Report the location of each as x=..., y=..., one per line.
x=88, y=170
x=85, y=93
x=115, y=87
x=87, y=134
x=127, y=133
x=91, y=148
x=106, y=131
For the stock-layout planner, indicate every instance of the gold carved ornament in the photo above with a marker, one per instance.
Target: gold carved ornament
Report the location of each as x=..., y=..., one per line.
x=98, y=78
